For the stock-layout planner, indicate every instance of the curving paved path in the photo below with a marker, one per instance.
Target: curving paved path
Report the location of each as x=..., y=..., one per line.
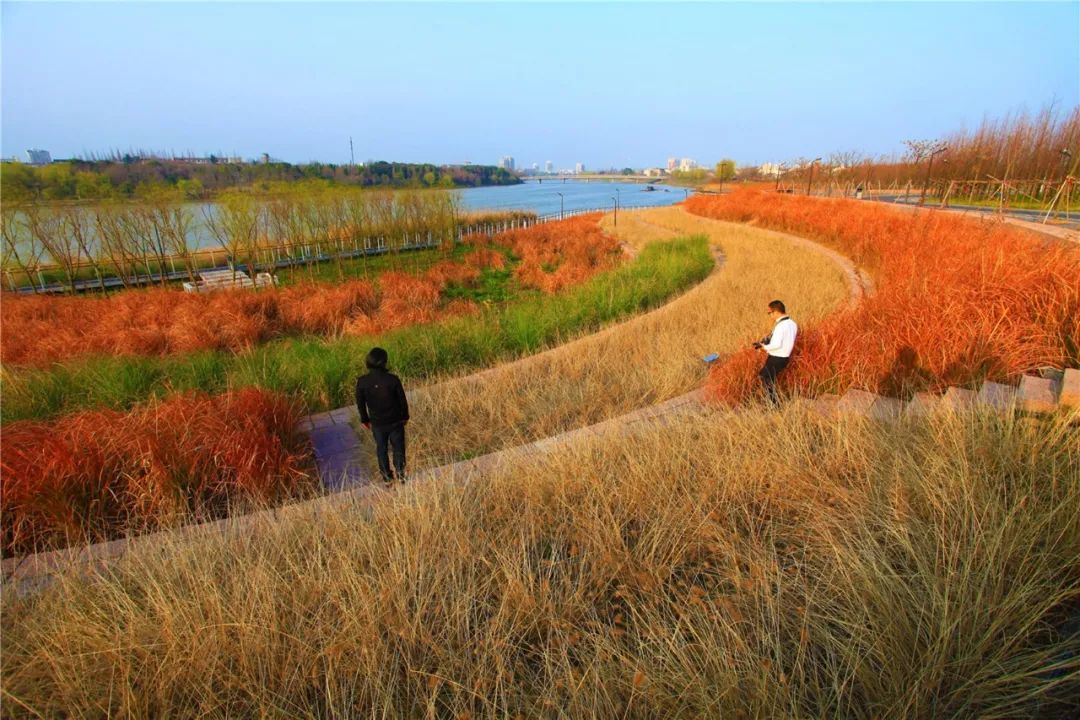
x=339, y=452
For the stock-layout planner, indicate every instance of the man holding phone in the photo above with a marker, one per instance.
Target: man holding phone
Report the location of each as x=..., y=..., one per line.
x=778, y=347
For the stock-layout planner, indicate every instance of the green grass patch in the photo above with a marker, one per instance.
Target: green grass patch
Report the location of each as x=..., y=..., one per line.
x=322, y=371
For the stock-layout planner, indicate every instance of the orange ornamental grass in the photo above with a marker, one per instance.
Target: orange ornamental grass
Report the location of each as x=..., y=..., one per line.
x=97, y=474
x=957, y=300
x=39, y=330
x=559, y=254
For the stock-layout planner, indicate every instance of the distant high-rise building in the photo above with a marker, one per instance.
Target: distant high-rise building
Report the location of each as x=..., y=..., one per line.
x=769, y=169
x=549, y=166
x=38, y=157
x=507, y=162
x=579, y=168
x=536, y=167
x=672, y=164
x=687, y=164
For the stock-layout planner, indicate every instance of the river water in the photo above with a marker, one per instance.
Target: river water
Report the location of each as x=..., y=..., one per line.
x=543, y=197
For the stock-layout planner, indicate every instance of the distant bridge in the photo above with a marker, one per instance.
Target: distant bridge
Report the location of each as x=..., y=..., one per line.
x=592, y=177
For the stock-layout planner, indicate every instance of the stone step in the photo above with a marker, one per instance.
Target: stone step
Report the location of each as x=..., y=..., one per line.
x=924, y=403
x=869, y=405
x=1070, y=389
x=997, y=397
x=825, y=405
x=1039, y=394
x=958, y=399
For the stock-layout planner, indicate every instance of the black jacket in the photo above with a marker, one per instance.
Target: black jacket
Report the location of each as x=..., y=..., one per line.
x=381, y=399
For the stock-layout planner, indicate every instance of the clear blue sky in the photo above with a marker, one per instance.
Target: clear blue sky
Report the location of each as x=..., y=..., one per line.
x=604, y=84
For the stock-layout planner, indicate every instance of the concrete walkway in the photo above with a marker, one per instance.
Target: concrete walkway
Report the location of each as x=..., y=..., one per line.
x=339, y=453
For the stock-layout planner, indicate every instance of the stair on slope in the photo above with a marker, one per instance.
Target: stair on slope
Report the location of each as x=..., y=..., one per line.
x=1042, y=394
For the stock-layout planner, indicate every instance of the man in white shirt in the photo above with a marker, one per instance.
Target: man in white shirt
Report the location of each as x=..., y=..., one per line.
x=778, y=347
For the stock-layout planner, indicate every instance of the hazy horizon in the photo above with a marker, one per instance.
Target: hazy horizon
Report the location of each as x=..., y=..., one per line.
x=606, y=85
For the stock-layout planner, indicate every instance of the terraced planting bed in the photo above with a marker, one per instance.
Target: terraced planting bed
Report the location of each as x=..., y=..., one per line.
x=148, y=485
x=701, y=562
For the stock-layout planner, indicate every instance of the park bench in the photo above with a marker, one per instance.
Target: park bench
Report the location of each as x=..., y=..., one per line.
x=228, y=279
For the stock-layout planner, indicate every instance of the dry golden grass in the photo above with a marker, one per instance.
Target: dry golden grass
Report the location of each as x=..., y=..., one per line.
x=753, y=565
x=641, y=362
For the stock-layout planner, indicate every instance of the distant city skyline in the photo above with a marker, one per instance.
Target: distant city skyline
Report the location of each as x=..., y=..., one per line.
x=576, y=84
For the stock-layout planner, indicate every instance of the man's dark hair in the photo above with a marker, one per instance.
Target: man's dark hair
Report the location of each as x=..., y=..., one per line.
x=778, y=307
x=376, y=359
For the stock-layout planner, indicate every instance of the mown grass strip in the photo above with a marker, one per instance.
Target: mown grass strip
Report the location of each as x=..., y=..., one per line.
x=321, y=371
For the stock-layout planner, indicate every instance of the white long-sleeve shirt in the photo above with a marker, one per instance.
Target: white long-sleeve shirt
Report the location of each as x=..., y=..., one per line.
x=782, y=341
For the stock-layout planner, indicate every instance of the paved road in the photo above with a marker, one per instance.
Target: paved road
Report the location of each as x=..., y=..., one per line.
x=1058, y=219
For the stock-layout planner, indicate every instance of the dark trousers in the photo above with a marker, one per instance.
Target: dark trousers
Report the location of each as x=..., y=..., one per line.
x=394, y=436
x=768, y=374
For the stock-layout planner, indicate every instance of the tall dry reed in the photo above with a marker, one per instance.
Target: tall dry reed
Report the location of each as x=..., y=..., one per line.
x=750, y=565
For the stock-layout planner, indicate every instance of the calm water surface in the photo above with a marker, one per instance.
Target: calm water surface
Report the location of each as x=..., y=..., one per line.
x=543, y=198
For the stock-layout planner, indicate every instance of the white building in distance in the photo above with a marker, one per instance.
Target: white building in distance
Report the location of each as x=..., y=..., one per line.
x=507, y=162
x=769, y=169
x=687, y=165
x=672, y=164
x=579, y=168
x=549, y=167
x=38, y=157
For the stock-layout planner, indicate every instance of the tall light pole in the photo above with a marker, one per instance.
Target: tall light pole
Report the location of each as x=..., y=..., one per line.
x=810, y=180
x=560, y=205
x=779, y=167
x=929, y=167
x=618, y=197
x=616, y=201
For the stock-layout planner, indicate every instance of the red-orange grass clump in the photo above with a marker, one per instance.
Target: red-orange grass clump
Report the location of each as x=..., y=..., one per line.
x=556, y=255
x=98, y=474
x=40, y=330
x=957, y=300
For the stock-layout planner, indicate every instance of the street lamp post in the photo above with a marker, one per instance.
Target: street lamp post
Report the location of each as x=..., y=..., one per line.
x=929, y=167
x=560, y=205
x=810, y=180
x=778, y=169
x=616, y=201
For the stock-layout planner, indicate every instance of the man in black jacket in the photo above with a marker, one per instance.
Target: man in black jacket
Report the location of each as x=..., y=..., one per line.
x=380, y=398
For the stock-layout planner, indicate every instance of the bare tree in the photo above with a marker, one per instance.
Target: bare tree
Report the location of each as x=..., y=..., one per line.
x=235, y=224
x=78, y=225
x=20, y=246
x=175, y=220
x=48, y=228
x=116, y=243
